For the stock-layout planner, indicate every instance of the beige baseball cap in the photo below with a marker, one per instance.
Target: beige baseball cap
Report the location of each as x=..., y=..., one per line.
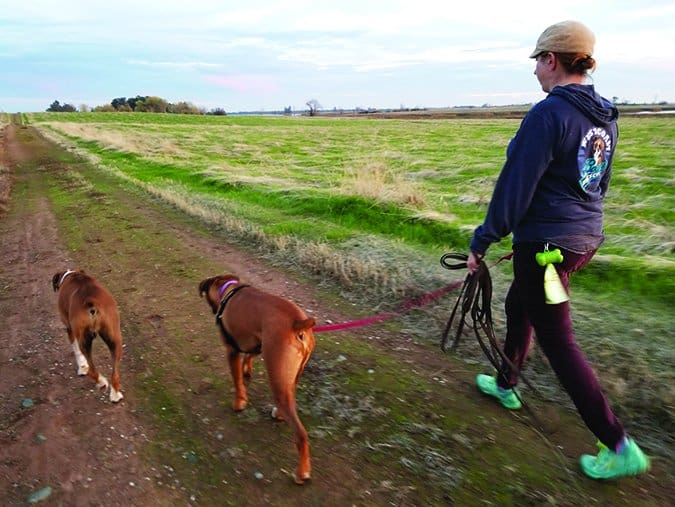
x=565, y=37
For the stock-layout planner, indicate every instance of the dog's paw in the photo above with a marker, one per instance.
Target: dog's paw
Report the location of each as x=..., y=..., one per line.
x=115, y=396
x=102, y=382
x=82, y=370
x=276, y=415
x=300, y=478
x=239, y=404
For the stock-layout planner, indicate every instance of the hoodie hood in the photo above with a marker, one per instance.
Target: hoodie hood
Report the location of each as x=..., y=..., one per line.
x=584, y=97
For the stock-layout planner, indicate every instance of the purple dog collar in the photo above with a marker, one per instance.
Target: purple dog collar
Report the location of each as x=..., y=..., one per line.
x=225, y=286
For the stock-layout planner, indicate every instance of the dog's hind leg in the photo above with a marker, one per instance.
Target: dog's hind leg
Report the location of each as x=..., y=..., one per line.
x=86, y=342
x=283, y=373
x=115, y=347
x=286, y=410
x=247, y=362
x=82, y=365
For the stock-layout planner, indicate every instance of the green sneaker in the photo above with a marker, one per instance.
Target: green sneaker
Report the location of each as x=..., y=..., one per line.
x=611, y=465
x=507, y=397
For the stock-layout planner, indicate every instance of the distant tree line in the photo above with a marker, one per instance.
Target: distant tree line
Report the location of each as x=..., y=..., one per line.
x=138, y=104
x=57, y=107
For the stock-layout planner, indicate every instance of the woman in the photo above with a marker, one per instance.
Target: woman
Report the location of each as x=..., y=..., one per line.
x=550, y=194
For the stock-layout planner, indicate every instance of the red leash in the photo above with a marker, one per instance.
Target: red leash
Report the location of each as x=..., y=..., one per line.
x=408, y=305
x=405, y=307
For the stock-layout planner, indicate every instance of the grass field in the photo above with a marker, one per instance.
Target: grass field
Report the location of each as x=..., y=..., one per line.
x=370, y=205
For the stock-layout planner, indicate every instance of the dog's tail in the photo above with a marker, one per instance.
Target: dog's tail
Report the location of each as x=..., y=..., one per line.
x=91, y=308
x=301, y=325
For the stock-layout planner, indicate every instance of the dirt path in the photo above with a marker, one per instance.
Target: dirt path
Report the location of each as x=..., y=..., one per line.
x=173, y=439
x=55, y=430
x=61, y=439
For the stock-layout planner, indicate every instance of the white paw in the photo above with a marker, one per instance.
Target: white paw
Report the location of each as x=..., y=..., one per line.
x=82, y=364
x=276, y=415
x=102, y=382
x=115, y=396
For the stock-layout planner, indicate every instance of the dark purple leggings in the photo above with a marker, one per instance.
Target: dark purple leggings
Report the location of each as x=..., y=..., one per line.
x=526, y=310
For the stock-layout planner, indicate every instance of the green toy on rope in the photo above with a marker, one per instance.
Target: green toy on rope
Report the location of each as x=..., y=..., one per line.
x=553, y=287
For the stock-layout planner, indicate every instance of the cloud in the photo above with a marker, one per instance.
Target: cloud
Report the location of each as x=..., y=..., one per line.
x=175, y=65
x=379, y=52
x=244, y=83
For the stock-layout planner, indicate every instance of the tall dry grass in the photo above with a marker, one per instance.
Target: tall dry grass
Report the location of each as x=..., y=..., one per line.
x=374, y=180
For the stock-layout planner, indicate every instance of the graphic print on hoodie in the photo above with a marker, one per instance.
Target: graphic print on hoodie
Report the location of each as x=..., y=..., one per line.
x=594, y=154
x=556, y=174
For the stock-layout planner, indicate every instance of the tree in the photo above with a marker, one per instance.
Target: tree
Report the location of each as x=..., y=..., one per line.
x=55, y=107
x=183, y=108
x=152, y=105
x=118, y=102
x=314, y=106
x=132, y=102
x=105, y=108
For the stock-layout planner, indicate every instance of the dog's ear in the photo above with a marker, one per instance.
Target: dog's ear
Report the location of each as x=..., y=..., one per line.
x=55, y=281
x=204, y=286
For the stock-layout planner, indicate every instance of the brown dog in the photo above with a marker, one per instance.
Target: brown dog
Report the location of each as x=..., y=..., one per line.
x=88, y=309
x=254, y=322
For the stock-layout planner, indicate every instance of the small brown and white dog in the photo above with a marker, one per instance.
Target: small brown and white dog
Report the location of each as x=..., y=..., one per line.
x=253, y=322
x=598, y=150
x=88, y=309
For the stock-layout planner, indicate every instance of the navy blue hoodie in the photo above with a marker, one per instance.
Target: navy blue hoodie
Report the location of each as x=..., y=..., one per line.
x=556, y=174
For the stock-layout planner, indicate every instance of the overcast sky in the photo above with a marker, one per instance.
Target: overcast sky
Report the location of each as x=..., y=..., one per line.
x=249, y=55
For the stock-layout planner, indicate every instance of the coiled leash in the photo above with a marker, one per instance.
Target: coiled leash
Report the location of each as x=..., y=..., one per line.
x=475, y=299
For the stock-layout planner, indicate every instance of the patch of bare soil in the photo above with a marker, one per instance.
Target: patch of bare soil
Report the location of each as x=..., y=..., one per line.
x=62, y=440
x=5, y=176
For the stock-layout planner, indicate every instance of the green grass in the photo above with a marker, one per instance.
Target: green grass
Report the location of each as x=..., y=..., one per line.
x=294, y=177
x=299, y=177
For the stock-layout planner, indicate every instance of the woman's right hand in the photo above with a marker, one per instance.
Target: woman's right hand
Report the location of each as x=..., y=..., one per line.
x=473, y=261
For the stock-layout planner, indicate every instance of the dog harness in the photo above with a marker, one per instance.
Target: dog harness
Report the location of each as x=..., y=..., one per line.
x=229, y=339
